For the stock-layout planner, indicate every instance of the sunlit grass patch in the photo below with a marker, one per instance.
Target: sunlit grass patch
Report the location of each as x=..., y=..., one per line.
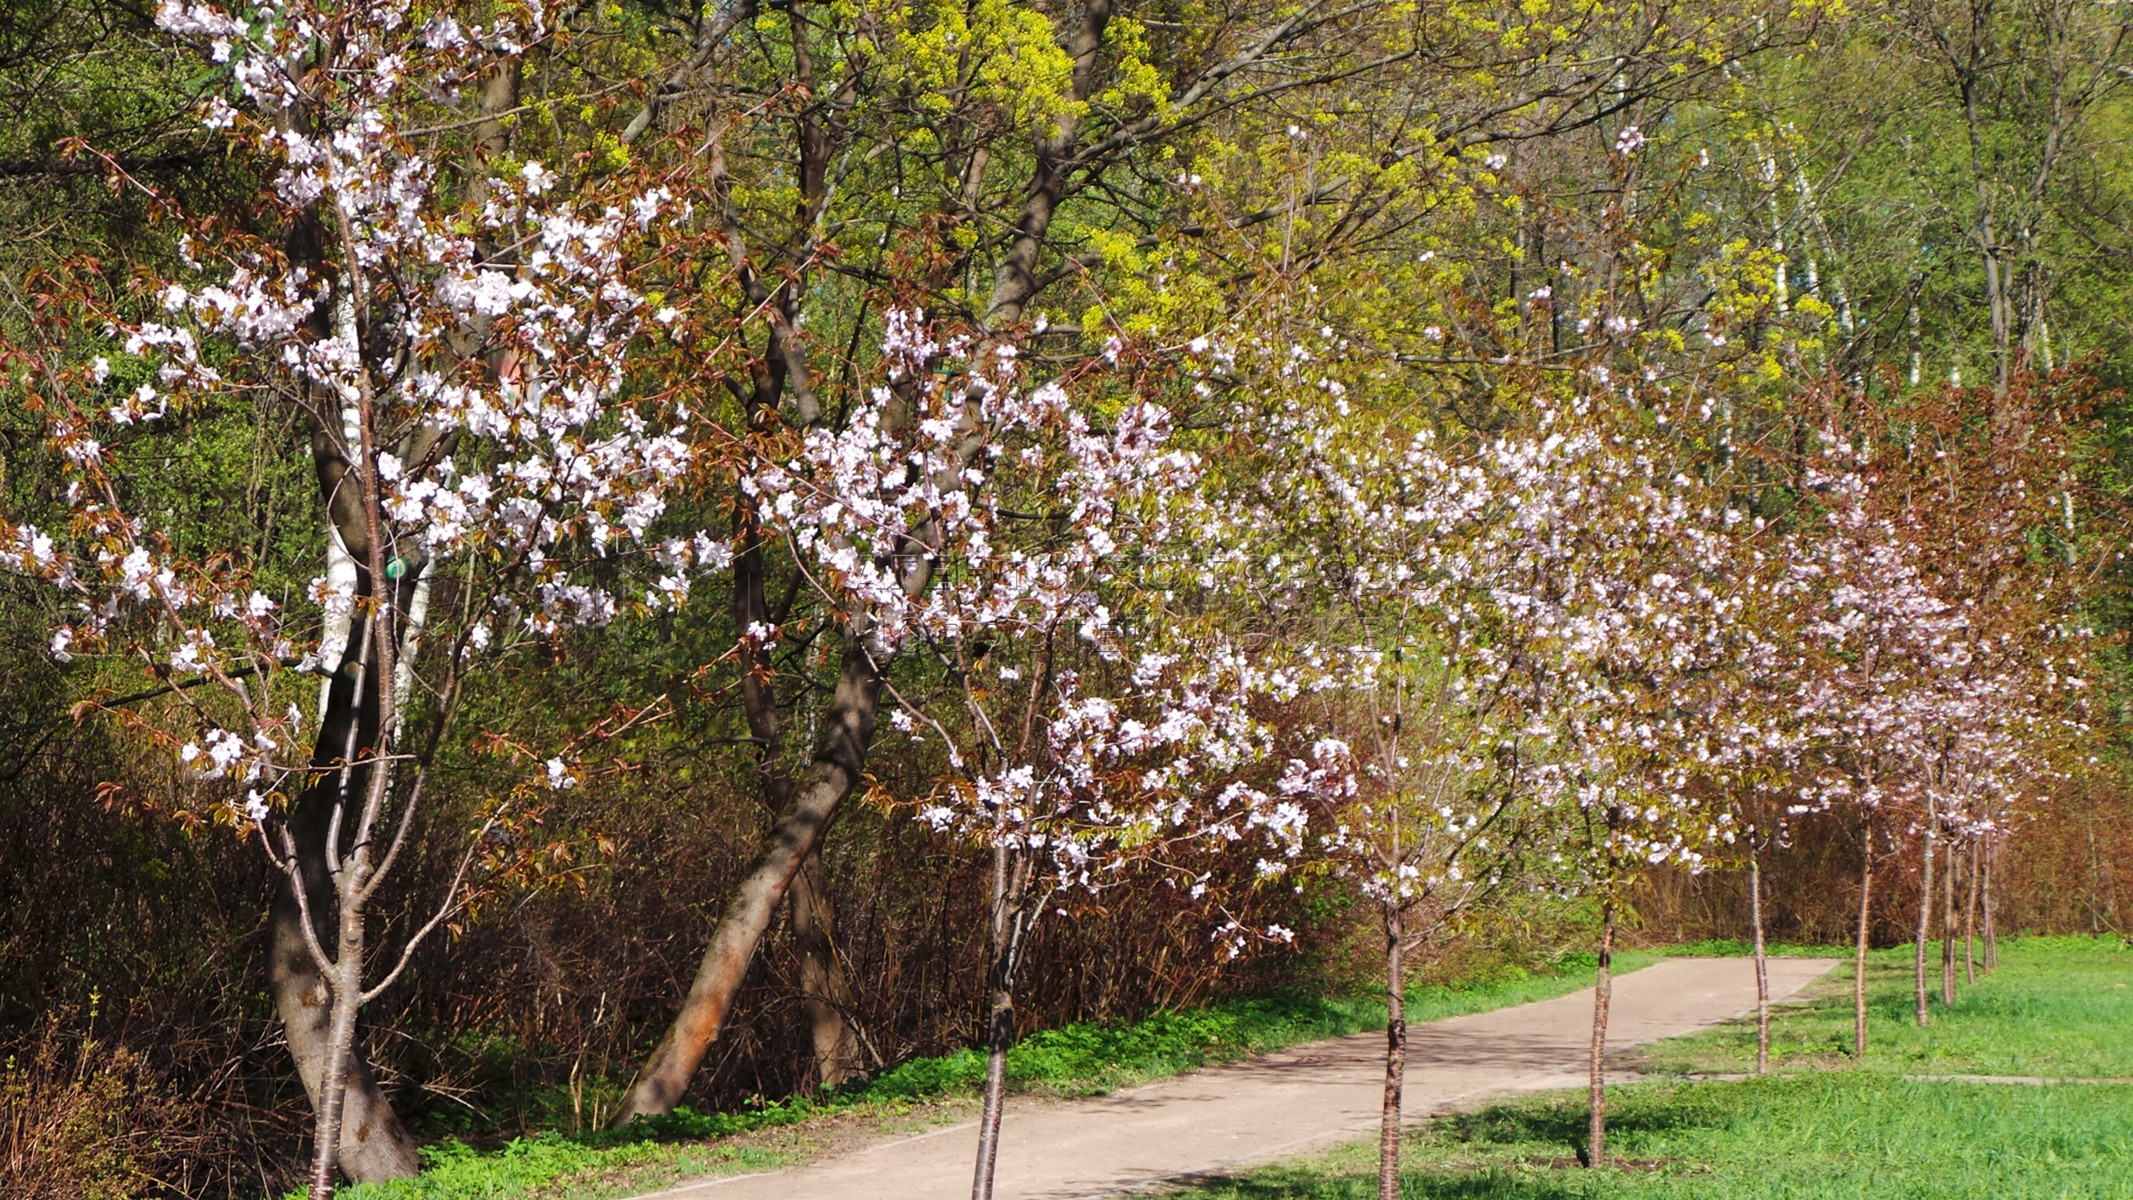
x=1801, y=1137
x=2056, y=1007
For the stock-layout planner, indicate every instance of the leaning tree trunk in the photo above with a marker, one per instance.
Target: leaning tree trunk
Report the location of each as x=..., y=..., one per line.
x=1947, y=933
x=1866, y=895
x=1925, y=921
x=807, y=813
x=1602, y=994
x=825, y=993
x=1762, y=964
x=1395, y=1053
x=373, y=1146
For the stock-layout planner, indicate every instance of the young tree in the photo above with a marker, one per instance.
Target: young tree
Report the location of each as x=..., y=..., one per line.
x=903, y=156
x=1637, y=621
x=1092, y=732
x=1754, y=762
x=1876, y=643
x=1405, y=667
x=456, y=338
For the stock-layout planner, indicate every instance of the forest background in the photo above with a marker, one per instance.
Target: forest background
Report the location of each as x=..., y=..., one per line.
x=1907, y=220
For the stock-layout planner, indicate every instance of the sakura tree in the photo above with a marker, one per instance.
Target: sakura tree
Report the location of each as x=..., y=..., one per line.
x=1523, y=663
x=1092, y=732
x=1404, y=671
x=1628, y=596
x=456, y=338
x=1877, y=650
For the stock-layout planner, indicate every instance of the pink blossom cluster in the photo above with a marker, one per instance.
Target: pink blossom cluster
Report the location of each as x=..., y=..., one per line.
x=1523, y=647
x=1905, y=700
x=1048, y=540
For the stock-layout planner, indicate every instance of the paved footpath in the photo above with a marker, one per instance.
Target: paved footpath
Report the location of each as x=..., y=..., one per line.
x=1274, y=1107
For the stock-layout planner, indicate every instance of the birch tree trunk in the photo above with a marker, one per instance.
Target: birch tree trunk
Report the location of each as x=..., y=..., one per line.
x=1987, y=237
x=370, y=1143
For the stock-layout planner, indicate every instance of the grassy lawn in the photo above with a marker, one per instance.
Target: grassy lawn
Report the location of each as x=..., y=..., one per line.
x=1797, y=1137
x=2057, y=1007
x=1074, y=1060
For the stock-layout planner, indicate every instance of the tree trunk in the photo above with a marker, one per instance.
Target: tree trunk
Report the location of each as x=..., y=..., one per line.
x=814, y=802
x=825, y=993
x=1395, y=1054
x=999, y=1038
x=1947, y=933
x=373, y=1145
x=1602, y=993
x=1925, y=921
x=1866, y=895
x=1010, y=913
x=1970, y=920
x=1988, y=246
x=1762, y=965
x=347, y=989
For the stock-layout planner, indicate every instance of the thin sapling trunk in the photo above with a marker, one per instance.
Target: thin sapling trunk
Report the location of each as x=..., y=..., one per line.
x=347, y=977
x=1602, y=994
x=1762, y=964
x=1947, y=934
x=1970, y=920
x=1992, y=926
x=1866, y=899
x=1395, y=1053
x=1011, y=911
x=1925, y=921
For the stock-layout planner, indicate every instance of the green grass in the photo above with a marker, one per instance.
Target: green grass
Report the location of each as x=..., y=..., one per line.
x=2056, y=1007
x=1072, y=1060
x=1743, y=948
x=1800, y=1137
x=1825, y=1126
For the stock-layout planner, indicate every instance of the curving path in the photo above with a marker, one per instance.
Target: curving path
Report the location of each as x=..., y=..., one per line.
x=1273, y=1107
